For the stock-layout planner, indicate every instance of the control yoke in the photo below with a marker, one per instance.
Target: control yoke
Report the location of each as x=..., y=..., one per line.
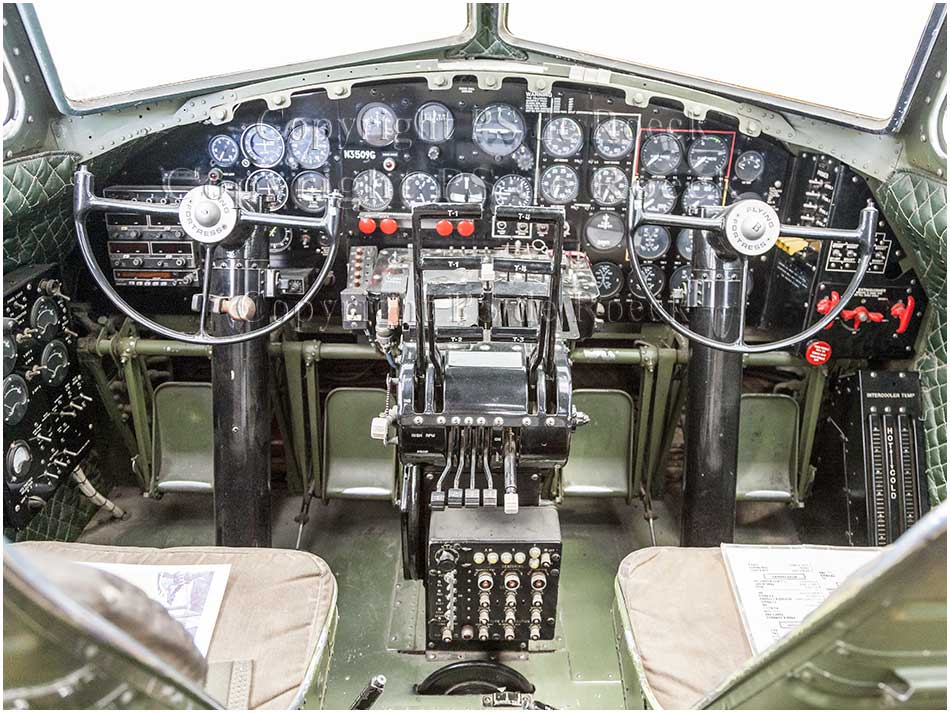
x=209, y=215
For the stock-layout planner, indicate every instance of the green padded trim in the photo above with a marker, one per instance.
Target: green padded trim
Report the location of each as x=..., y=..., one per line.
x=37, y=207
x=916, y=207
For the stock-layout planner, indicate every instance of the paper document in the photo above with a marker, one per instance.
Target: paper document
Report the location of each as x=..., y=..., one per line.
x=777, y=587
x=191, y=593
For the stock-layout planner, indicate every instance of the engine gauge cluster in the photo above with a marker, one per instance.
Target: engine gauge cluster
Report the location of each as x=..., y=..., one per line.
x=47, y=422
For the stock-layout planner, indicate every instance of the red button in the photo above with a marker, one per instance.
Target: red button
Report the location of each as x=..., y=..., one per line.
x=818, y=353
x=444, y=228
x=466, y=228
x=366, y=226
x=388, y=226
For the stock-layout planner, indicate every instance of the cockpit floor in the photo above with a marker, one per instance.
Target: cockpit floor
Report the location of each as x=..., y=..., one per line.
x=380, y=614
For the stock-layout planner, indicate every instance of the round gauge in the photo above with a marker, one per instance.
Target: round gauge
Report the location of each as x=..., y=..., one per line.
x=605, y=231
x=749, y=166
x=372, y=190
x=9, y=346
x=512, y=190
x=434, y=123
x=19, y=460
x=661, y=154
x=263, y=145
x=609, y=185
x=651, y=241
x=684, y=243
x=310, y=191
x=270, y=186
x=654, y=278
x=376, y=123
x=466, y=188
x=309, y=142
x=224, y=150
x=498, y=130
x=609, y=278
x=613, y=138
x=708, y=155
x=419, y=188
x=678, y=281
x=559, y=184
x=55, y=363
x=659, y=196
x=16, y=399
x=700, y=194
x=44, y=318
x=279, y=239
x=562, y=137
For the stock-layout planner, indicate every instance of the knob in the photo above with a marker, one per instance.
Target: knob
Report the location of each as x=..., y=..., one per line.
x=512, y=581
x=483, y=633
x=485, y=581
x=136, y=261
x=366, y=226
x=446, y=634
x=510, y=616
x=511, y=599
x=465, y=228
x=445, y=558
x=444, y=228
x=534, y=633
x=388, y=226
x=468, y=632
x=535, y=615
x=483, y=617
x=484, y=600
x=903, y=313
x=537, y=599
x=509, y=634
x=539, y=581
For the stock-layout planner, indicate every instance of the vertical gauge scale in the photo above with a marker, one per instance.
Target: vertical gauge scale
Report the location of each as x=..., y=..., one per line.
x=434, y=123
x=376, y=124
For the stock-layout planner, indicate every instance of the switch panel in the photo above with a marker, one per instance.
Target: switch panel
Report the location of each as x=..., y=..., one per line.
x=492, y=579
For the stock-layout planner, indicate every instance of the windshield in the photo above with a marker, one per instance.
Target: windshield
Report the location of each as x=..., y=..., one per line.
x=122, y=48
x=846, y=58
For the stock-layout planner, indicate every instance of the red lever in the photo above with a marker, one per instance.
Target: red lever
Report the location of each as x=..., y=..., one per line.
x=826, y=304
x=903, y=313
x=859, y=315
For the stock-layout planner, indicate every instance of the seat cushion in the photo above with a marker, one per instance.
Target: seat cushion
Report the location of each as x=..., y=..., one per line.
x=686, y=625
x=277, y=610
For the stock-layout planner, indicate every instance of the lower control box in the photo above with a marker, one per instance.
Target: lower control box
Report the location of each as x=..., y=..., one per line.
x=491, y=578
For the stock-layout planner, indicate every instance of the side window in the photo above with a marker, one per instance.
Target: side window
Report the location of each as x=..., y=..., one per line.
x=11, y=102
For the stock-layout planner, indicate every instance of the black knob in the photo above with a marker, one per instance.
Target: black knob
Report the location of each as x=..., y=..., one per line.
x=446, y=558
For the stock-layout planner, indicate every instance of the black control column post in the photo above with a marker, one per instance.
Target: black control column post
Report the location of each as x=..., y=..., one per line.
x=242, y=402
x=714, y=390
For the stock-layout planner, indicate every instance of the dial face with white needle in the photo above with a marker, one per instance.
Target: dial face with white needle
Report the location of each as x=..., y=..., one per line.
x=372, y=190
x=16, y=399
x=708, y=155
x=661, y=154
x=559, y=184
x=54, y=363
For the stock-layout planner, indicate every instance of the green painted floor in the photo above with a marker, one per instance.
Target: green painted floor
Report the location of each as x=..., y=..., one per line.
x=379, y=611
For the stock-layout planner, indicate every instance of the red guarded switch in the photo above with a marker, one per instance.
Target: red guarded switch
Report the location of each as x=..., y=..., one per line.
x=903, y=313
x=366, y=226
x=826, y=304
x=444, y=228
x=859, y=315
x=388, y=226
x=465, y=228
